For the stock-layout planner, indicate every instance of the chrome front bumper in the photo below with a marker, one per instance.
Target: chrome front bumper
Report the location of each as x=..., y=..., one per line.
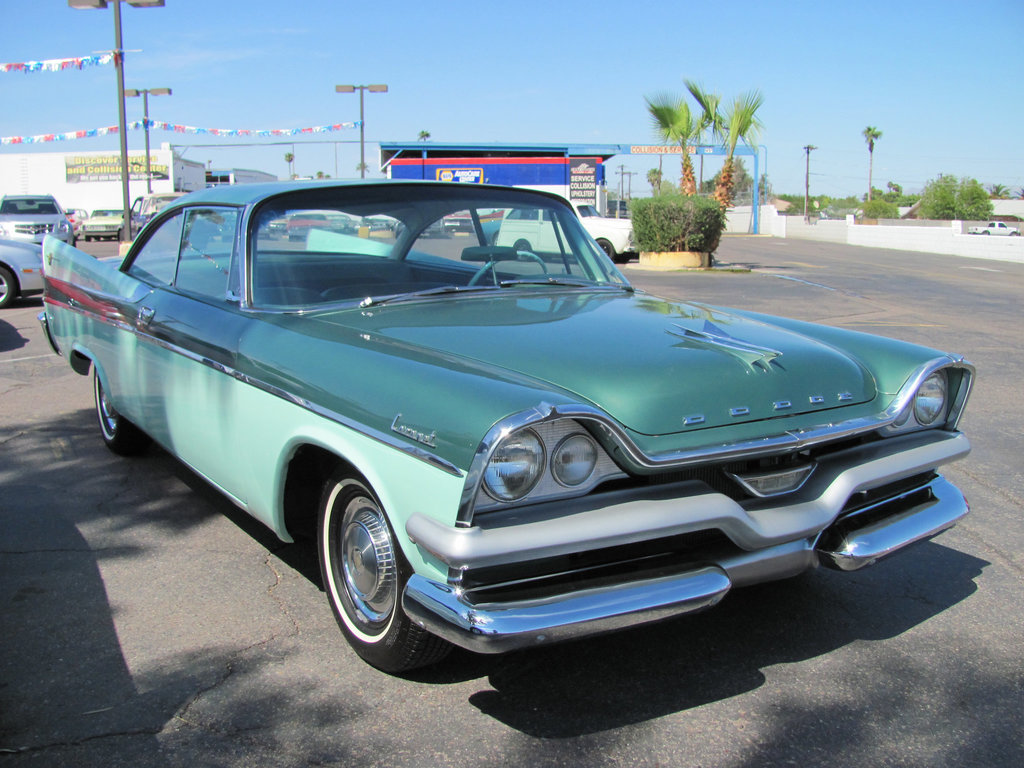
x=847, y=543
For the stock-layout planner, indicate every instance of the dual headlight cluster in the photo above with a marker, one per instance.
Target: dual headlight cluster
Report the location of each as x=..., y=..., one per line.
x=522, y=461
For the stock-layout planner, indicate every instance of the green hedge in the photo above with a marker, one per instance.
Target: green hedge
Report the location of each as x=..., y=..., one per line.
x=677, y=223
x=881, y=209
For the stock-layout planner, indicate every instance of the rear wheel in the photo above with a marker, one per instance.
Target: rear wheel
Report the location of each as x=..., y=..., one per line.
x=119, y=434
x=364, y=575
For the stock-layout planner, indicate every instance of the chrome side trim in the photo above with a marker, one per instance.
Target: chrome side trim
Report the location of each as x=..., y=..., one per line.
x=362, y=429
x=496, y=628
x=783, y=442
x=851, y=544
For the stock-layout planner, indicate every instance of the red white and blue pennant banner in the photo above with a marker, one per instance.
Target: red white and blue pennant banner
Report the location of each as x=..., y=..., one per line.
x=188, y=129
x=58, y=65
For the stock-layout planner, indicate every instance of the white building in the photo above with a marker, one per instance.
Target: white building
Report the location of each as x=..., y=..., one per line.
x=91, y=180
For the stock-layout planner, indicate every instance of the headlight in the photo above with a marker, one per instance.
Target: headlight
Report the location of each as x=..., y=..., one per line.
x=64, y=226
x=6, y=229
x=574, y=460
x=930, y=400
x=515, y=467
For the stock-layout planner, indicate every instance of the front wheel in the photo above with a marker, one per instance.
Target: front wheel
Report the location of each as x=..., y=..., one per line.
x=120, y=435
x=364, y=575
x=8, y=287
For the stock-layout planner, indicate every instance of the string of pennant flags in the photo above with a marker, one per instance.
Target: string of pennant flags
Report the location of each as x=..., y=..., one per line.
x=164, y=126
x=59, y=65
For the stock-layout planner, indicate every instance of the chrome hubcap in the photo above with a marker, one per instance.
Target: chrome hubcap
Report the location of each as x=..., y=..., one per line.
x=368, y=561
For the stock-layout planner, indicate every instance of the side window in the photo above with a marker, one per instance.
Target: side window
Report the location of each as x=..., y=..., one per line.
x=158, y=259
x=206, y=246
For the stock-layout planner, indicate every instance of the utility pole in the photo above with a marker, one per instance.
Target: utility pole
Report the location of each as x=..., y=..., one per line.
x=807, y=180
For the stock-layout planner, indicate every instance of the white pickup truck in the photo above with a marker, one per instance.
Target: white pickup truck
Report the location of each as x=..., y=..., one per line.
x=994, y=228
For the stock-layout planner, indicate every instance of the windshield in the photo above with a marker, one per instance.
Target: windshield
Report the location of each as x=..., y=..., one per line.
x=97, y=214
x=394, y=241
x=42, y=206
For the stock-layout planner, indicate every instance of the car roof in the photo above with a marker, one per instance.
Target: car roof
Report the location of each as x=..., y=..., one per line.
x=246, y=194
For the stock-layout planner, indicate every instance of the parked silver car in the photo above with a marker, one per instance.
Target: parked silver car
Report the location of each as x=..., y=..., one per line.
x=21, y=270
x=30, y=218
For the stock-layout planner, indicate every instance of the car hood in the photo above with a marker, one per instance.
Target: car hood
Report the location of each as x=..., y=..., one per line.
x=657, y=367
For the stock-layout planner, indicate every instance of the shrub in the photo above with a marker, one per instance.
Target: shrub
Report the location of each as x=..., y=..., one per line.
x=677, y=223
x=881, y=209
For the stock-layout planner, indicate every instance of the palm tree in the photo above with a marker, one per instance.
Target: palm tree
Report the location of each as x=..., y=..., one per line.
x=871, y=135
x=654, y=179
x=290, y=158
x=710, y=121
x=998, y=192
x=674, y=122
x=424, y=135
x=740, y=121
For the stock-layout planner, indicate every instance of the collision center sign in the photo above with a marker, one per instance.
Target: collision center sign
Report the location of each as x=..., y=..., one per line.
x=583, y=180
x=108, y=167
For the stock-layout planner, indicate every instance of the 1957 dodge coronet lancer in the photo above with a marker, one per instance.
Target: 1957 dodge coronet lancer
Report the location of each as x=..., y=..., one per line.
x=495, y=445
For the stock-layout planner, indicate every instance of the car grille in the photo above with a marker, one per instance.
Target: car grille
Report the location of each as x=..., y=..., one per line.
x=33, y=229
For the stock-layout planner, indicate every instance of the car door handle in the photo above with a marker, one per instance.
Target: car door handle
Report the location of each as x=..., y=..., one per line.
x=145, y=317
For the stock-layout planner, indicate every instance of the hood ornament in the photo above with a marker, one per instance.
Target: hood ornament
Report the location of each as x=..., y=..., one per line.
x=711, y=335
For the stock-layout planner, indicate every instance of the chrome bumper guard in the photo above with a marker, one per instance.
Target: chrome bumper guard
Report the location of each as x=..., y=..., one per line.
x=44, y=321
x=848, y=544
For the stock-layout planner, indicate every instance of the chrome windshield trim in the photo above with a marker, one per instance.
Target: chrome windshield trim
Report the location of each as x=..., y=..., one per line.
x=782, y=442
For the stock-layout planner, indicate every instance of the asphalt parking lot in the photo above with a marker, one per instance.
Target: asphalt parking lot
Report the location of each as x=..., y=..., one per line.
x=149, y=623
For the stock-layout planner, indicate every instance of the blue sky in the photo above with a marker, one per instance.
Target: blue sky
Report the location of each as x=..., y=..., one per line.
x=940, y=79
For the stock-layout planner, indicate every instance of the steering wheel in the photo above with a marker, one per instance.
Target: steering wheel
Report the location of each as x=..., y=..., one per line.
x=530, y=255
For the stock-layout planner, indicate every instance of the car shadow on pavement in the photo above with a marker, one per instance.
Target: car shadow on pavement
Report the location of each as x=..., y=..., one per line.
x=10, y=337
x=607, y=682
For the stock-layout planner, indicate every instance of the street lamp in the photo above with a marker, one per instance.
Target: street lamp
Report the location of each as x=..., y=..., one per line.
x=122, y=128
x=379, y=88
x=145, y=92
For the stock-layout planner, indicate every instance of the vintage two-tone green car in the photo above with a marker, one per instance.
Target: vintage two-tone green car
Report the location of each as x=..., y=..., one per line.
x=497, y=446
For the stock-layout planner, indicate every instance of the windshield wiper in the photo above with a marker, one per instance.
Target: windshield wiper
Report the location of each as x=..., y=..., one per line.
x=562, y=281
x=376, y=301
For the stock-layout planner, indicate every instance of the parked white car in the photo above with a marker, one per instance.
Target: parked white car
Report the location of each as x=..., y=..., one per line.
x=21, y=270
x=615, y=236
x=994, y=228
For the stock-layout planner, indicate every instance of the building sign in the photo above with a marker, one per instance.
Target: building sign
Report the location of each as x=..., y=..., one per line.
x=675, y=149
x=583, y=180
x=461, y=175
x=108, y=168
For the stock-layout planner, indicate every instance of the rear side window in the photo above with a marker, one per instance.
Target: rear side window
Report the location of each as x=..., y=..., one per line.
x=158, y=259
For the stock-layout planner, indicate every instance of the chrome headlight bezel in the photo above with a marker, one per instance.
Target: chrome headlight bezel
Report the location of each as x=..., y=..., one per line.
x=556, y=435
x=915, y=407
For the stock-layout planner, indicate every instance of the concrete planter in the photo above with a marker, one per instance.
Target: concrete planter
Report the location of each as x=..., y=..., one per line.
x=676, y=259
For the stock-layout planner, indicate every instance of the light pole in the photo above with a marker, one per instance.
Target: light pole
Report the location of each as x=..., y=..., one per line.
x=378, y=88
x=807, y=180
x=122, y=128
x=132, y=93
